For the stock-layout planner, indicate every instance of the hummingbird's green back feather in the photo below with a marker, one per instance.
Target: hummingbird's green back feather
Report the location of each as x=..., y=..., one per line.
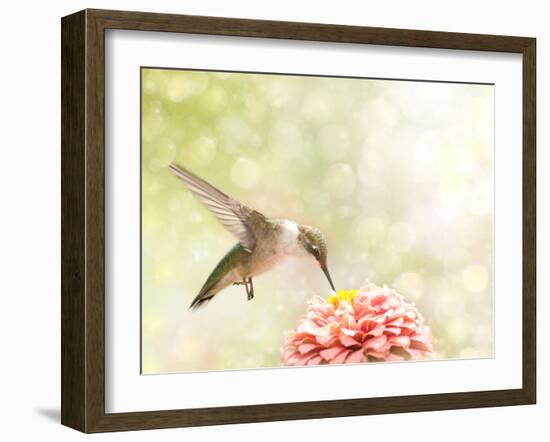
x=209, y=289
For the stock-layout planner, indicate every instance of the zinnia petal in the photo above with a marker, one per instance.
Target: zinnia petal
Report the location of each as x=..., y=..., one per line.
x=347, y=341
x=340, y=358
x=401, y=341
x=375, y=343
x=355, y=357
x=331, y=353
x=306, y=348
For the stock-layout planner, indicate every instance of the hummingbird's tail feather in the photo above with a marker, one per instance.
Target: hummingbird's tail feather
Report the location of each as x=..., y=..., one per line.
x=200, y=301
x=209, y=290
x=221, y=277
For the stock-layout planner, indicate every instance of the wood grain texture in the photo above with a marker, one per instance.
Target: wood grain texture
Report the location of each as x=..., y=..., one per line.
x=73, y=253
x=83, y=219
x=529, y=220
x=145, y=21
x=95, y=221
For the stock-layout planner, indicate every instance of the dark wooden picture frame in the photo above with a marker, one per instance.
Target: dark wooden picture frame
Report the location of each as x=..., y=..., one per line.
x=83, y=220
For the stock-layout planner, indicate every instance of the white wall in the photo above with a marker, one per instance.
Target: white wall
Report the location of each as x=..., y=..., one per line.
x=30, y=232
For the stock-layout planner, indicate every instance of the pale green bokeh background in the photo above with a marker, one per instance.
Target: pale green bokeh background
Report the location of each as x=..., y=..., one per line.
x=397, y=174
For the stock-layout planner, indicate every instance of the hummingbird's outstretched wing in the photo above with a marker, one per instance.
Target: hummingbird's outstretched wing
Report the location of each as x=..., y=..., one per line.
x=240, y=220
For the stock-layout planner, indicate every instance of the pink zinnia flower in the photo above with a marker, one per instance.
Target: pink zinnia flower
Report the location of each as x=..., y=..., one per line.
x=370, y=324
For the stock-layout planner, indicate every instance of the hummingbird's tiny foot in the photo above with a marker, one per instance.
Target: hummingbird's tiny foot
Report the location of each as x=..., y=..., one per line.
x=249, y=290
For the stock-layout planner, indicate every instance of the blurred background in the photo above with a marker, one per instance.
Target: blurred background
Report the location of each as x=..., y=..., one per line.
x=397, y=174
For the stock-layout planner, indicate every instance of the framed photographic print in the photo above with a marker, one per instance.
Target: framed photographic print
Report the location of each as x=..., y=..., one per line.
x=270, y=220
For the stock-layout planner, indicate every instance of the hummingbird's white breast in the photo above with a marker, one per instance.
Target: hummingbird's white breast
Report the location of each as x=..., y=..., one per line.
x=274, y=250
x=288, y=240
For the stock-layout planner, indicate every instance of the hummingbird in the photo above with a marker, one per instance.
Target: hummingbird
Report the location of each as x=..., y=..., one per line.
x=263, y=243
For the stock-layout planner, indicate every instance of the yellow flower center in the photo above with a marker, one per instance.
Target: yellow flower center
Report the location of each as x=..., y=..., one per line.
x=342, y=295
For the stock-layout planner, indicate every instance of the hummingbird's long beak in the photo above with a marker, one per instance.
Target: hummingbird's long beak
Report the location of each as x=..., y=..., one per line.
x=325, y=270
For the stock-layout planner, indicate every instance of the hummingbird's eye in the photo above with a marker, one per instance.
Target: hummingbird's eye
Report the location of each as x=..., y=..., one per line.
x=316, y=252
